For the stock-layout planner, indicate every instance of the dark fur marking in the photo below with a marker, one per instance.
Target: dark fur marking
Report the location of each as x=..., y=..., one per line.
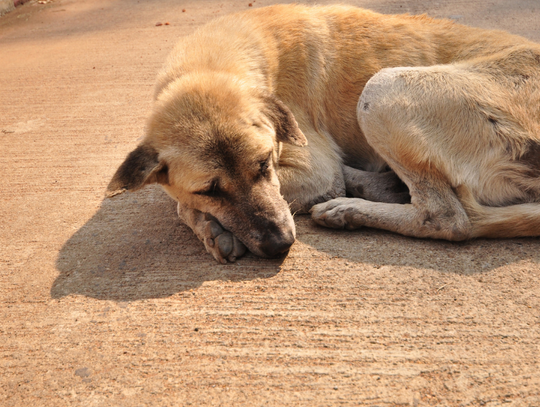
x=223, y=151
x=137, y=168
x=496, y=127
x=162, y=176
x=358, y=191
x=520, y=80
x=532, y=158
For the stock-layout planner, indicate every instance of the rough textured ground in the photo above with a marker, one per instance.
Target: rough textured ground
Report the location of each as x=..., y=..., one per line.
x=115, y=303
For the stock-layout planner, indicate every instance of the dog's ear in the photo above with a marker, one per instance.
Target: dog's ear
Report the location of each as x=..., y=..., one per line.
x=287, y=129
x=141, y=167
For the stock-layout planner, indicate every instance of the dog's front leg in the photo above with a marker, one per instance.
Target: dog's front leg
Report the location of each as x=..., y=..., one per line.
x=220, y=243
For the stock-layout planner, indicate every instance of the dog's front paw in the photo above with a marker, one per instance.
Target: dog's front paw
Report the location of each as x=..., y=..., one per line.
x=220, y=243
x=338, y=213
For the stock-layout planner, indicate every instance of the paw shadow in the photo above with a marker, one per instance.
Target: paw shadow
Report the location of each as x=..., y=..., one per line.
x=382, y=248
x=135, y=247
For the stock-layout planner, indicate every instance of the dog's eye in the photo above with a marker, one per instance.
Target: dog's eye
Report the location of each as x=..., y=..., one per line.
x=265, y=164
x=212, y=191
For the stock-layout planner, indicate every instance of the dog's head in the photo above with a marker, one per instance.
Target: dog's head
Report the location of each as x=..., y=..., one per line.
x=213, y=143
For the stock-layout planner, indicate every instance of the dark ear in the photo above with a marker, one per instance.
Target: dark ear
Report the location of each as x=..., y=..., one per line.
x=141, y=167
x=287, y=129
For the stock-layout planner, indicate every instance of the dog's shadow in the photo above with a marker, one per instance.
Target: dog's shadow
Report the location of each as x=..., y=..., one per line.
x=380, y=248
x=135, y=247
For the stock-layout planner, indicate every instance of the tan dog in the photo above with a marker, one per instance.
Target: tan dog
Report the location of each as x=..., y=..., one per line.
x=260, y=113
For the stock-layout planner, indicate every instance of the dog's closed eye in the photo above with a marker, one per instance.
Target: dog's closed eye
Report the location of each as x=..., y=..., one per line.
x=265, y=164
x=213, y=190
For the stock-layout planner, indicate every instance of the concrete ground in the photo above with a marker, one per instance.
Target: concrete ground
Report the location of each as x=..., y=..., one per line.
x=116, y=303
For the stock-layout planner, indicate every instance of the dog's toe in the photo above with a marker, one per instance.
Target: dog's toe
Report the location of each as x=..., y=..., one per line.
x=239, y=249
x=330, y=220
x=222, y=244
x=337, y=214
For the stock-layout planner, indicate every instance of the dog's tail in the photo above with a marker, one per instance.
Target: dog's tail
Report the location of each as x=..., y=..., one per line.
x=499, y=222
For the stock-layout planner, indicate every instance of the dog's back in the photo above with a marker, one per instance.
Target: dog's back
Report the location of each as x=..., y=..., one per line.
x=317, y=60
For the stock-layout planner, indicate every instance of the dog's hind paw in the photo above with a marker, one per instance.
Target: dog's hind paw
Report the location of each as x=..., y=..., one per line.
x=222, y=244
x=338, y=213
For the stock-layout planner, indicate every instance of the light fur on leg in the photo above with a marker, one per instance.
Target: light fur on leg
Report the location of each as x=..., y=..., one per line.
x=434, y=212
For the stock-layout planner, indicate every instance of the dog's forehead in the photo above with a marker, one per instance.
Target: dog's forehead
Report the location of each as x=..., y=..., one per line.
x=206, y=95
x=234, y=150
x=206, y=118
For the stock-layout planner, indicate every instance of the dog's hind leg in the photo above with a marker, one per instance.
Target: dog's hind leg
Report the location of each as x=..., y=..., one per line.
x=220, y=243
x=375, y=186
x=434, y=211
x=448, y=129
x=395, y=124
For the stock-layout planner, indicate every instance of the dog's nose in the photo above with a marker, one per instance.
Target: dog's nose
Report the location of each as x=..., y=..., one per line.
x=276, y=245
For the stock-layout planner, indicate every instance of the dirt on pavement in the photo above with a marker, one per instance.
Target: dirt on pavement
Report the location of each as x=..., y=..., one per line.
x=116, y=303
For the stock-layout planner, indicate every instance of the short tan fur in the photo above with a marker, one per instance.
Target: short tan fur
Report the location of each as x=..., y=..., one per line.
x=432, y=126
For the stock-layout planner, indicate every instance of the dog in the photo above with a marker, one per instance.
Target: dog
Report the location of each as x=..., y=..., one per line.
x=416, y=125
